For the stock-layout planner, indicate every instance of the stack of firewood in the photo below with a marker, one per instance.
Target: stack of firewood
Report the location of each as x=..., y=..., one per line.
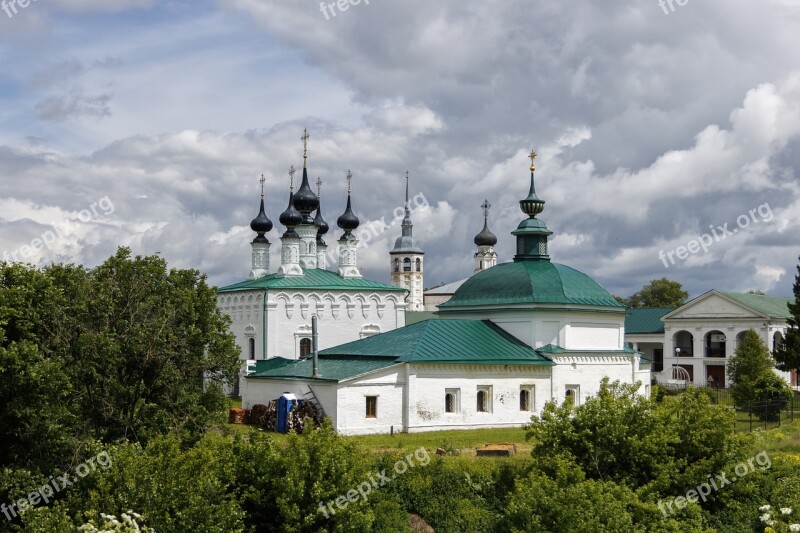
x=266, y=416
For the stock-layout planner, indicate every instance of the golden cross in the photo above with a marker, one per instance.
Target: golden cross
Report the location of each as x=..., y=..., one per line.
x=262, y=180
x=533, y=159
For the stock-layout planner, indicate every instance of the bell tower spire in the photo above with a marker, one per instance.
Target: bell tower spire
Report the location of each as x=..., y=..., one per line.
x=406, y=260
x=532, y=233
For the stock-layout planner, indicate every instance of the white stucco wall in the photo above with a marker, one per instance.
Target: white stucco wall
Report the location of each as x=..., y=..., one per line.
x=344, y=316
x=572, y=329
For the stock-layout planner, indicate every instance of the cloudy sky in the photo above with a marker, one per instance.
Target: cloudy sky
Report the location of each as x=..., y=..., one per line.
x=147, y=124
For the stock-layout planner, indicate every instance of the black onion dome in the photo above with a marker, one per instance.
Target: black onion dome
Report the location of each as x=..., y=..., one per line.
x=348, y=221
x=305, y=201
x=261, y=224
x=291, y=218
x=322, y=226
x=485, y=237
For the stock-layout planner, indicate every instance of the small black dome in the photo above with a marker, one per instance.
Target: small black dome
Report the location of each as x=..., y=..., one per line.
x=322, y=226
x=348, y=221
x=485, y=237
x=305, y=201
x=291, y=217
x=261, y=224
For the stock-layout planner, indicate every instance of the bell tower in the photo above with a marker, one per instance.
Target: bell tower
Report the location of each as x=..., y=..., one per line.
x=406, y=261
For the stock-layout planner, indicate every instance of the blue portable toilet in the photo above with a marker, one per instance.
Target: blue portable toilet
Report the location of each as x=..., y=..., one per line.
x=285, y=405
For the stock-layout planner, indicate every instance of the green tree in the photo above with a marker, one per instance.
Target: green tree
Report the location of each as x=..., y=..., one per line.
x=146, y=347
x=788, y=353
x=659, y=293
x=37, y=427
x=751, y=361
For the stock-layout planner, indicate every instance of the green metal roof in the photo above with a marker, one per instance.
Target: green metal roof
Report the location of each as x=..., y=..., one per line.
x=772, y=306
x=262, y=365
x=524, y=282
x=646, y=320
x=445, y=341
x=315, y=279
x=412, y=317
x=328, y=369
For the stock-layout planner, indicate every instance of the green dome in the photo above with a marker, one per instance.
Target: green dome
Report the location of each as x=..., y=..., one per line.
x=530, y=282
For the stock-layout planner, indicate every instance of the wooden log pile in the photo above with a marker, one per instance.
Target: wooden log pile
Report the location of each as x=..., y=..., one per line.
x=266, y=416
x=238, y=416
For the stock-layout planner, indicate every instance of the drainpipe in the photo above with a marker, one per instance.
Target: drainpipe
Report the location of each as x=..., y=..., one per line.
x=315, y=346
x=264, y=326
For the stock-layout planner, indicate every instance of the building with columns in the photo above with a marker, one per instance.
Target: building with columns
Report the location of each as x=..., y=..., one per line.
x=694, y=342
x=511, y=338
x=271, y=311
x=406, y=261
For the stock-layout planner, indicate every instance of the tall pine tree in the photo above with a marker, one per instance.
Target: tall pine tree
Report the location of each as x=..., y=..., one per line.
x=787, y=354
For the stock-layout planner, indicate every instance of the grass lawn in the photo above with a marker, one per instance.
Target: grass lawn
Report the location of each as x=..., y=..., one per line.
x=466, y=440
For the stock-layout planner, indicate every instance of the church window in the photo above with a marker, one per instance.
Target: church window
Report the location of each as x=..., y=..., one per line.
x=397, y=265
x=407, y=265
x=452, y=400
x=372, y=406
x=572, y=394
x=484, y=399
x=305, y=347
x=526, y=398
x=419, y=264
x=251, y=343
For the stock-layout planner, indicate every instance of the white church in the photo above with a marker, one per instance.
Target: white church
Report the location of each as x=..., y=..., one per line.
x=511, y=338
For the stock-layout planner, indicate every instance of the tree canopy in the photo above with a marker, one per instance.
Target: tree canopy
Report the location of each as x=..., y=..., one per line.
x=658, y=293
x=127, y=350
x=787, y=354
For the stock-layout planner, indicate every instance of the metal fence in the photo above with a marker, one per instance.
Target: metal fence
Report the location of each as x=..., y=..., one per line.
x=754, y=415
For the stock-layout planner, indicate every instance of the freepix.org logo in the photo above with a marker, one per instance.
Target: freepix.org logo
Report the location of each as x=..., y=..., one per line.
x=12, y=7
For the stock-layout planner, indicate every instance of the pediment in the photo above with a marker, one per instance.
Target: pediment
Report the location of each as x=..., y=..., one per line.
x=713, y=305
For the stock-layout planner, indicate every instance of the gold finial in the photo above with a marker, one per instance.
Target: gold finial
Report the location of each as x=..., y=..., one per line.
x=262, y=180
x=305, y=139
x=291, y=178
x=319, y=187
x=533, y=159
x=349, y=180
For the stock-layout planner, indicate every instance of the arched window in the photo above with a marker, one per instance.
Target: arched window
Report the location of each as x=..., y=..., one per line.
x=407, y=265
x=397, y=265
x=524, y=400
x=305, y=347
x=483, y=403
x=251, y=342
x=776, y=340
x=569, y=396
x=419, y=264
x=449, y=403
x=683, y=341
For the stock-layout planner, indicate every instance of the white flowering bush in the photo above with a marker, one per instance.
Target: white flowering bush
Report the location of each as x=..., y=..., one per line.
x=110, y=524
x=778, y=522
